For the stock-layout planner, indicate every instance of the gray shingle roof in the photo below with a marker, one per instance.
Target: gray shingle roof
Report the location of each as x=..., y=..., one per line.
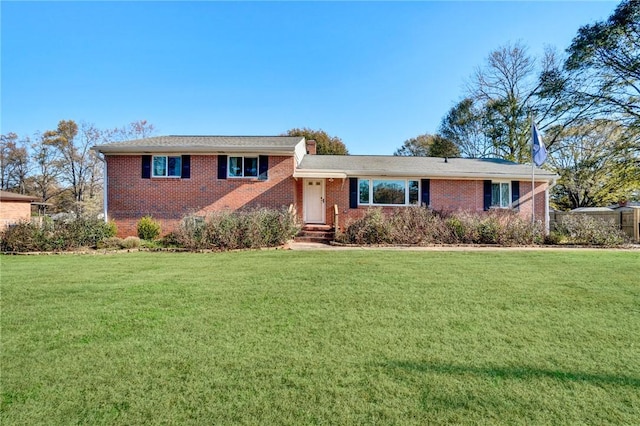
x=203, y=144
x=382, y=165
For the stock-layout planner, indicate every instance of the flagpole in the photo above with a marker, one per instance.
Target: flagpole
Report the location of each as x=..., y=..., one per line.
x=538, y=157
x=533, y=175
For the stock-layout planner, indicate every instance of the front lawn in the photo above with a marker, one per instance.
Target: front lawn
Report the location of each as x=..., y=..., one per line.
x=326, y=337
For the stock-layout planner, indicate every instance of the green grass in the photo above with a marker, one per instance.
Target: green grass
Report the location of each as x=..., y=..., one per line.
x=327, y=337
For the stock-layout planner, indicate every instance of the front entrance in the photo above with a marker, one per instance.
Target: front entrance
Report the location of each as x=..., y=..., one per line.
x=314, y=201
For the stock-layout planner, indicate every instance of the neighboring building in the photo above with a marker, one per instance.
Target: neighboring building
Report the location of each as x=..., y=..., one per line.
x=14, y=208
x=169, y=177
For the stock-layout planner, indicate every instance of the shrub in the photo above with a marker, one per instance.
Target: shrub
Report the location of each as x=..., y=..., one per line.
x=55, y=235
x=415, y=226
x=462, y=227
x=228, y=230
x=372, y=228
x=419, y=226
x=111, y=229
x=148, y=228
x=110, y=243
x=23, y=237
x=131, y=242
x=172, y=239
x=584, y=229
x=553, y=238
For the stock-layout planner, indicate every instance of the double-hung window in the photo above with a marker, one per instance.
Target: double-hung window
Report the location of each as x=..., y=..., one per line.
x=167, y=166
x=243, y=167
x=500, y=195
x=388, y=192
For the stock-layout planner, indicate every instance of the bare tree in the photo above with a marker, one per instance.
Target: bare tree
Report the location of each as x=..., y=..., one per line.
x=78, y=164
x=46, y=168
x=14, y=163
x=135, y=130
x=504, y=87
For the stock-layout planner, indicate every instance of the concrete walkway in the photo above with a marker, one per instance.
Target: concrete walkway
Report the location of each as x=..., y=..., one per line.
x=319, y=246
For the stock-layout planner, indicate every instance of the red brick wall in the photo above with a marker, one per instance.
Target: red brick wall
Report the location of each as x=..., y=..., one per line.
x=168, y=200
x=445, y=195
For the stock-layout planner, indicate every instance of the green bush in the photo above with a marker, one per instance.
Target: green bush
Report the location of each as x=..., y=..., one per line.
x=584, y=229
x=55, y=236
x=227, y=230
x=553, y=238
x=148, y=228
x=111, y=229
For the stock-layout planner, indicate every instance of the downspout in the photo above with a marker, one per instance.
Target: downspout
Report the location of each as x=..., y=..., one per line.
x=104, y=186
x=547, y=218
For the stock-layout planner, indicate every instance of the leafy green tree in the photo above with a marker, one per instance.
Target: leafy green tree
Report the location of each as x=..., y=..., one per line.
x=604, y=60
x=443, y=147
x=428, y=145
x=463, y=125
x=595, y=165
x=325, y=144
x=415, y=147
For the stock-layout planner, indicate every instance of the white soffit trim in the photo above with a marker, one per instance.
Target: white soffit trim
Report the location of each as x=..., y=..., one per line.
x=319, y=174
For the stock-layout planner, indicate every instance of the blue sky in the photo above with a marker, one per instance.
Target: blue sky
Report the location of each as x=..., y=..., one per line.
x=372, y=73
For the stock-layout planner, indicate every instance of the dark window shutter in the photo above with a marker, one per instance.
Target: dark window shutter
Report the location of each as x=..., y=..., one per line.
x=146, y=167
x=426, y=187
x=263, y=165
x=515, y=194
x=487, y=194
x=353, y=193
x=222, y=166
x=186, y=167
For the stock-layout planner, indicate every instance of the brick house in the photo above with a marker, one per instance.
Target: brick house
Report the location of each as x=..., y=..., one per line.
x=14, y=208
x=169, y=177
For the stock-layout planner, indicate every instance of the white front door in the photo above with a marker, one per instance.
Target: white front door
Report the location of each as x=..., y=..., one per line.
x=314, y=211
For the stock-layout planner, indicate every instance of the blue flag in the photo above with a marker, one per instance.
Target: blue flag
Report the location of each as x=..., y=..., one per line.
x=539, y=151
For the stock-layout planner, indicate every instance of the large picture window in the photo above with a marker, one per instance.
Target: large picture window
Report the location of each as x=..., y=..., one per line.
x=167, y=166
x=388, y=192
x=500, y=195
x=243, y=166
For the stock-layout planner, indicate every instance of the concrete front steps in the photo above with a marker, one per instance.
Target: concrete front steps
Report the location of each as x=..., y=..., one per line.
x=315, y=234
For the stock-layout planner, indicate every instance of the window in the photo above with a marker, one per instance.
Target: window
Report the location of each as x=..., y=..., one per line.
x=500, y=195
x=392, y=192
x=364, y=191
x=243, y=166
x=167, y=166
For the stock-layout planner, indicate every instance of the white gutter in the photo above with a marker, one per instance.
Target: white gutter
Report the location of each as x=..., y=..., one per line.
x=104, y=185
x=342, y=174
x=194, y=149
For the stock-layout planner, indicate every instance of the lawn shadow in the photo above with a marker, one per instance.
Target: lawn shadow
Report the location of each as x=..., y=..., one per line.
x=512, y=373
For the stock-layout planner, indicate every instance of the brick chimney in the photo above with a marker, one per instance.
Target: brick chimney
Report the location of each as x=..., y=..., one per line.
x=311, y=147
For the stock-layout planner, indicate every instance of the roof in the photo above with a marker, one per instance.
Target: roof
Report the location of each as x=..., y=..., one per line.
x=341, y=166
x=12, y=196
x=592, y=209
x=208, y=144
